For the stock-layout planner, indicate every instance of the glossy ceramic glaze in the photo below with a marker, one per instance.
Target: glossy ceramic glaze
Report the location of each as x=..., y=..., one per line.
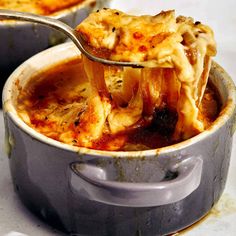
x=101, y=193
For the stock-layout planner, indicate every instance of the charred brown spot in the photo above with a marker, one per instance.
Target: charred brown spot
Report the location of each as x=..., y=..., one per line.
x=137, y=35
x=197, y=23
x=142, y=48
x=164, y=121
x=40, y=97
x=77, y=122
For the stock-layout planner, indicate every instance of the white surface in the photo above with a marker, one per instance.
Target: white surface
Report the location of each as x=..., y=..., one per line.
x=15, y=220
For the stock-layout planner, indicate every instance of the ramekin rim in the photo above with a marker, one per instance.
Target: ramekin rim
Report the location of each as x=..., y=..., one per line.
x=229, y=111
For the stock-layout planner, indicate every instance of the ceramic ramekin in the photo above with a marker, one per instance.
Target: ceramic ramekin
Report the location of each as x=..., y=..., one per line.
x=90, y=192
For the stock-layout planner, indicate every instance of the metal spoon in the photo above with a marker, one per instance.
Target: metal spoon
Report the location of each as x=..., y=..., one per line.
x=68, y=31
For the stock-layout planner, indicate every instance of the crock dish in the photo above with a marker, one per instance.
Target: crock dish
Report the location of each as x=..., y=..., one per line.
x=90, y=192
x=20, y=40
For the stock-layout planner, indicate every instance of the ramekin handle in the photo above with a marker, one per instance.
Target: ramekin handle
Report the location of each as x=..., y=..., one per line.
x=92, y=181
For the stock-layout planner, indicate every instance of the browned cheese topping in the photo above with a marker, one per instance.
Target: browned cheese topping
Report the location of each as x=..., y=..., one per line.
x=121, y=103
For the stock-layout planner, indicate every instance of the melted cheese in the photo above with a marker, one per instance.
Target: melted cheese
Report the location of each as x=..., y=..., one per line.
x=181, y=51
x=43, y=7
x=64, y=104
x=120, y=101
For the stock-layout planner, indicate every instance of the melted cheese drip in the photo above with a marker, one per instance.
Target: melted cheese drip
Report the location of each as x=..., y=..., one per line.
x=181, y=51
x=120, y=99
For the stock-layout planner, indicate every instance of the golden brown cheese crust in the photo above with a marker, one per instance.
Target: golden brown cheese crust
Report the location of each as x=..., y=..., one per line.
x=125, y=99
x=55, y=103
x=141, y=38
x=43, y=7
x=181, y=51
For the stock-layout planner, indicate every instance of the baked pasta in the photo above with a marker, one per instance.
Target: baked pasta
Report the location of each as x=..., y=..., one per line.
x=115, y=108
x=180, y=51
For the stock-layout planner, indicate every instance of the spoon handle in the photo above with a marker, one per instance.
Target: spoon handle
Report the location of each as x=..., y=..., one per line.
x=64, y=28
x=44, y=20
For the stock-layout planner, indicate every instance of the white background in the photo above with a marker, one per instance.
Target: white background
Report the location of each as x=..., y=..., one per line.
x=15, y=220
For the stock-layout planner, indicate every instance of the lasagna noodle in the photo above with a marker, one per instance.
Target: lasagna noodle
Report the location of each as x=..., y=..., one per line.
x=180, y=52
x=92, y=120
